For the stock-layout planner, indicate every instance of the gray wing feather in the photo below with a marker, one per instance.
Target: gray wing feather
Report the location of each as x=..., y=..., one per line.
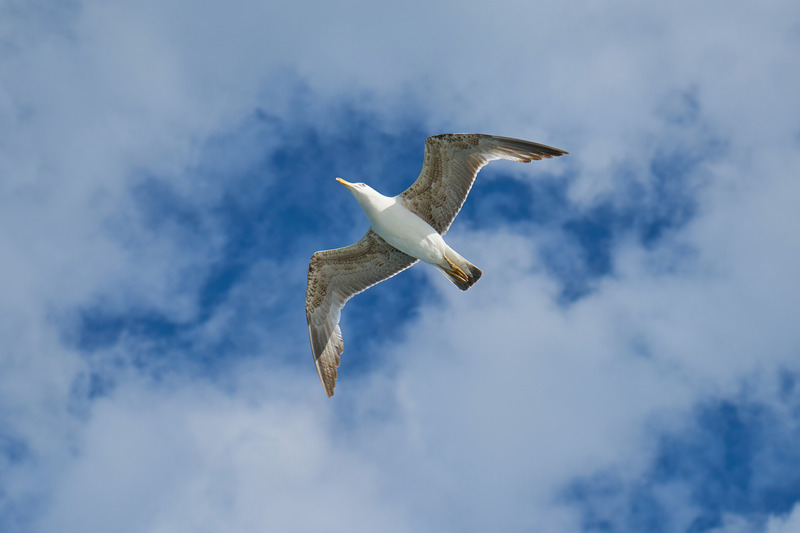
x=335, y=276
x=451, y=163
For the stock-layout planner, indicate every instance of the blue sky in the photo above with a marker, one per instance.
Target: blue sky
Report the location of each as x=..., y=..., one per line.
x=629, y=361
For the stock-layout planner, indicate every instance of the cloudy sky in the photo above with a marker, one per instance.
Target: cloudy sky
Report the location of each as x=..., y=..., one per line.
x=630, y=360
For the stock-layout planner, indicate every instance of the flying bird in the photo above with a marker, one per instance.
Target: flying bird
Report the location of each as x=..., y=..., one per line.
x=405, y=229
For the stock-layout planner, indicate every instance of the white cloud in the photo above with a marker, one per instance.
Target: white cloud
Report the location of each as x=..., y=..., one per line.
x=785, y=524
x=788, y=523
x=493, y=400
x=189, y=457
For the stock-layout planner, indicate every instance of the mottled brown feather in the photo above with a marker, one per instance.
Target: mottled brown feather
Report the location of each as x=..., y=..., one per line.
x=451, y=163
x=335, y=276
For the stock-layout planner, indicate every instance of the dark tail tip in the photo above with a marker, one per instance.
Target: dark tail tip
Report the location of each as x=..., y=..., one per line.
x=473, y=276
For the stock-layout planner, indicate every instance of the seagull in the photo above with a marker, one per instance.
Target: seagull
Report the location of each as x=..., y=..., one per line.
x=404, y=229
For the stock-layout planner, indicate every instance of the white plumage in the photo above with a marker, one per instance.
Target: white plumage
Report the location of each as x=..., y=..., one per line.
x=398, y=226
x=405, y=228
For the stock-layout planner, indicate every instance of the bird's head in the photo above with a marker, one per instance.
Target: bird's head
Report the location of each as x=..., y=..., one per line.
x=369, y=199
x=355, y=188
x=361, y=191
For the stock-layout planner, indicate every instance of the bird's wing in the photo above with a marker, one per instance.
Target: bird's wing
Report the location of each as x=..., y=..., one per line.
x=451, y=163
x=335, y=276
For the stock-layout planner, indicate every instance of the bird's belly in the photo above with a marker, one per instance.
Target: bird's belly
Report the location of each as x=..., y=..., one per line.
x=410, y=234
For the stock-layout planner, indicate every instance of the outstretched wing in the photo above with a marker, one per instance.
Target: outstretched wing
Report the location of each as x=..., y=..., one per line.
x=451, y=163
x=335, y=276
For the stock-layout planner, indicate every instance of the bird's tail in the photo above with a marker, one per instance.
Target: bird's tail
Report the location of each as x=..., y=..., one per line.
x=458, y=270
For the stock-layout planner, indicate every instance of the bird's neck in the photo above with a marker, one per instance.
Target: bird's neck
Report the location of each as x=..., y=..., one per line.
x=374, y=204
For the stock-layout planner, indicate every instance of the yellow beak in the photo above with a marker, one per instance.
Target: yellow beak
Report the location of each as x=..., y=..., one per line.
x=345, y=183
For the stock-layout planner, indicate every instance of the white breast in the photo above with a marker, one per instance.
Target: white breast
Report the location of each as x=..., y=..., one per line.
x=407, y=232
